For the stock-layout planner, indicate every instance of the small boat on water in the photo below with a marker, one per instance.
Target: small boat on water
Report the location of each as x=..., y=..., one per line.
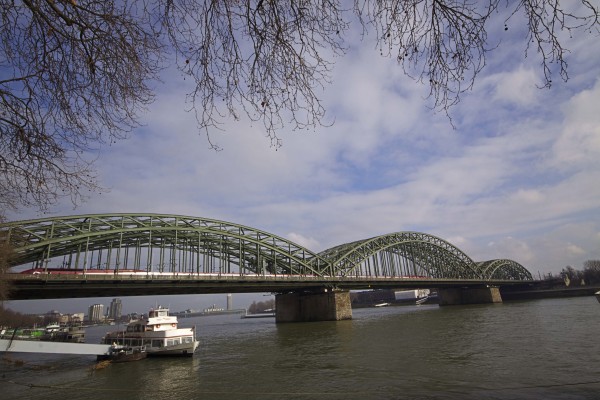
x=264, y=314
x=382, y=304
x=597, y=294
x=158, y=334
x=422, y=300
x=119, y=354
x=73, y=334
x=259, y=315
x=52, y=327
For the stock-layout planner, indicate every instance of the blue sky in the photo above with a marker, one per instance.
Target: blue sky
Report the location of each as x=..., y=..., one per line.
x=516, y=177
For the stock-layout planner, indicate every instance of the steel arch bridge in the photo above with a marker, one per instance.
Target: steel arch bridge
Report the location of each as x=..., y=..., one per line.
x=418, y=255
x=155, y=243
x=176, y=244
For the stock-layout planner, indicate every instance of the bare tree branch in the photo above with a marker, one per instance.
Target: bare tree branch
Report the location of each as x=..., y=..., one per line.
x=75, y=75
x=262, y=58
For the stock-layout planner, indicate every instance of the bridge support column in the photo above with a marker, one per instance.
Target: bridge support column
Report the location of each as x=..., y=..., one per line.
x=475, y=295
x=329, y=305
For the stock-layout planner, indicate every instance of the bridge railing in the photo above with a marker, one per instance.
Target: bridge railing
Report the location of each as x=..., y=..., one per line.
x=333, y=280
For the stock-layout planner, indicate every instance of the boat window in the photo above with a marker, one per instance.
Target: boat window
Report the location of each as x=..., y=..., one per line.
x=157, y=343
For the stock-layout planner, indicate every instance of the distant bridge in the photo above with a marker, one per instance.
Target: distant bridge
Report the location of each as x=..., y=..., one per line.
x=141, y=254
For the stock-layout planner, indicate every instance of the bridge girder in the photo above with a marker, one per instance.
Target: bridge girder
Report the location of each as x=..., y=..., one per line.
x=236, y=249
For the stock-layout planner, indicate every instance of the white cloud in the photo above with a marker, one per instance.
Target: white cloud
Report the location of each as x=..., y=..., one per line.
x=517, y=87
x=575, y=250
x=510, y=248
x=528, y=196
x=579, y=142
x=309, y=243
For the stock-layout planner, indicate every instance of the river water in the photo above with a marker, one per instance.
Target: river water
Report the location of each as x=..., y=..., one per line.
x=517, y=350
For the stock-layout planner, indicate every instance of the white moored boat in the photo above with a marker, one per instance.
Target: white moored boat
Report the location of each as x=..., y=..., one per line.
x=158, y=333
x=598, y=296
x=383, y=304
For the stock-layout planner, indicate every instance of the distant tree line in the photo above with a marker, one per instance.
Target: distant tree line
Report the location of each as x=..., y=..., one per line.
x=13, y=319
x=261, y=306
x=590, y=275
x=570, y=276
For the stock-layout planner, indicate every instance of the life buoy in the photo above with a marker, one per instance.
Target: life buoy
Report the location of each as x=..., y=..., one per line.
x=158, y=326
x=173, y=325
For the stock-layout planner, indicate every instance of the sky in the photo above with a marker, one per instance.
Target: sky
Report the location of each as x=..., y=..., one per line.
x=515, y=175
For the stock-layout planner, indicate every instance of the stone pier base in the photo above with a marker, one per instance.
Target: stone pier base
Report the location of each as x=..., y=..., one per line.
x=306, y=307
x=476, y=295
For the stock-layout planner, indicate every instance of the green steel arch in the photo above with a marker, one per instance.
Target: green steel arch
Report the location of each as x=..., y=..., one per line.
x=408, y=254
x=504, y=269
x=156, y=243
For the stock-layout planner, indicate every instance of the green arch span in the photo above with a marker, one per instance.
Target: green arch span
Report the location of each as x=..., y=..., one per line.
x=210, y=245
x=402, y=254
x=160, y=235
x=504, y=269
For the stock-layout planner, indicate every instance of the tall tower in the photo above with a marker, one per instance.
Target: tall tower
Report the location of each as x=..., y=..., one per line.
x=96, y=313
x=115, y=309
x=229, y=301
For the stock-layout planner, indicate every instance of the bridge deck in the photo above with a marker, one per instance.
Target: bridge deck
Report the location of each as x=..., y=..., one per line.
x=74, y=286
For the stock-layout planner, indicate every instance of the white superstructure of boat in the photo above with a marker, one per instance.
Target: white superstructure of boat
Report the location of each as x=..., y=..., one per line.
x=158, y=333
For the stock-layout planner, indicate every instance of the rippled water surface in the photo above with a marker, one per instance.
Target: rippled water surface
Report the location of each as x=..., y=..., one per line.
x=519, y=350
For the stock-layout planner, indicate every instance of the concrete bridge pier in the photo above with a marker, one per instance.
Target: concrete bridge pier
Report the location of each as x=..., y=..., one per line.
x=470, y=295
x=324, y=305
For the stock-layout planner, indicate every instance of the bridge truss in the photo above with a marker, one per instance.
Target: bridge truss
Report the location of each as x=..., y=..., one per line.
x=416, y=255
x=155, y=244
x=174, y=244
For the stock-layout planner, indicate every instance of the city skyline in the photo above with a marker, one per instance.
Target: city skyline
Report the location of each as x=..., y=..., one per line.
x=136, y=304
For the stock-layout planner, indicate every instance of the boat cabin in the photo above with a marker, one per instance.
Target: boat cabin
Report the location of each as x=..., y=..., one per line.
x=159, y=312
